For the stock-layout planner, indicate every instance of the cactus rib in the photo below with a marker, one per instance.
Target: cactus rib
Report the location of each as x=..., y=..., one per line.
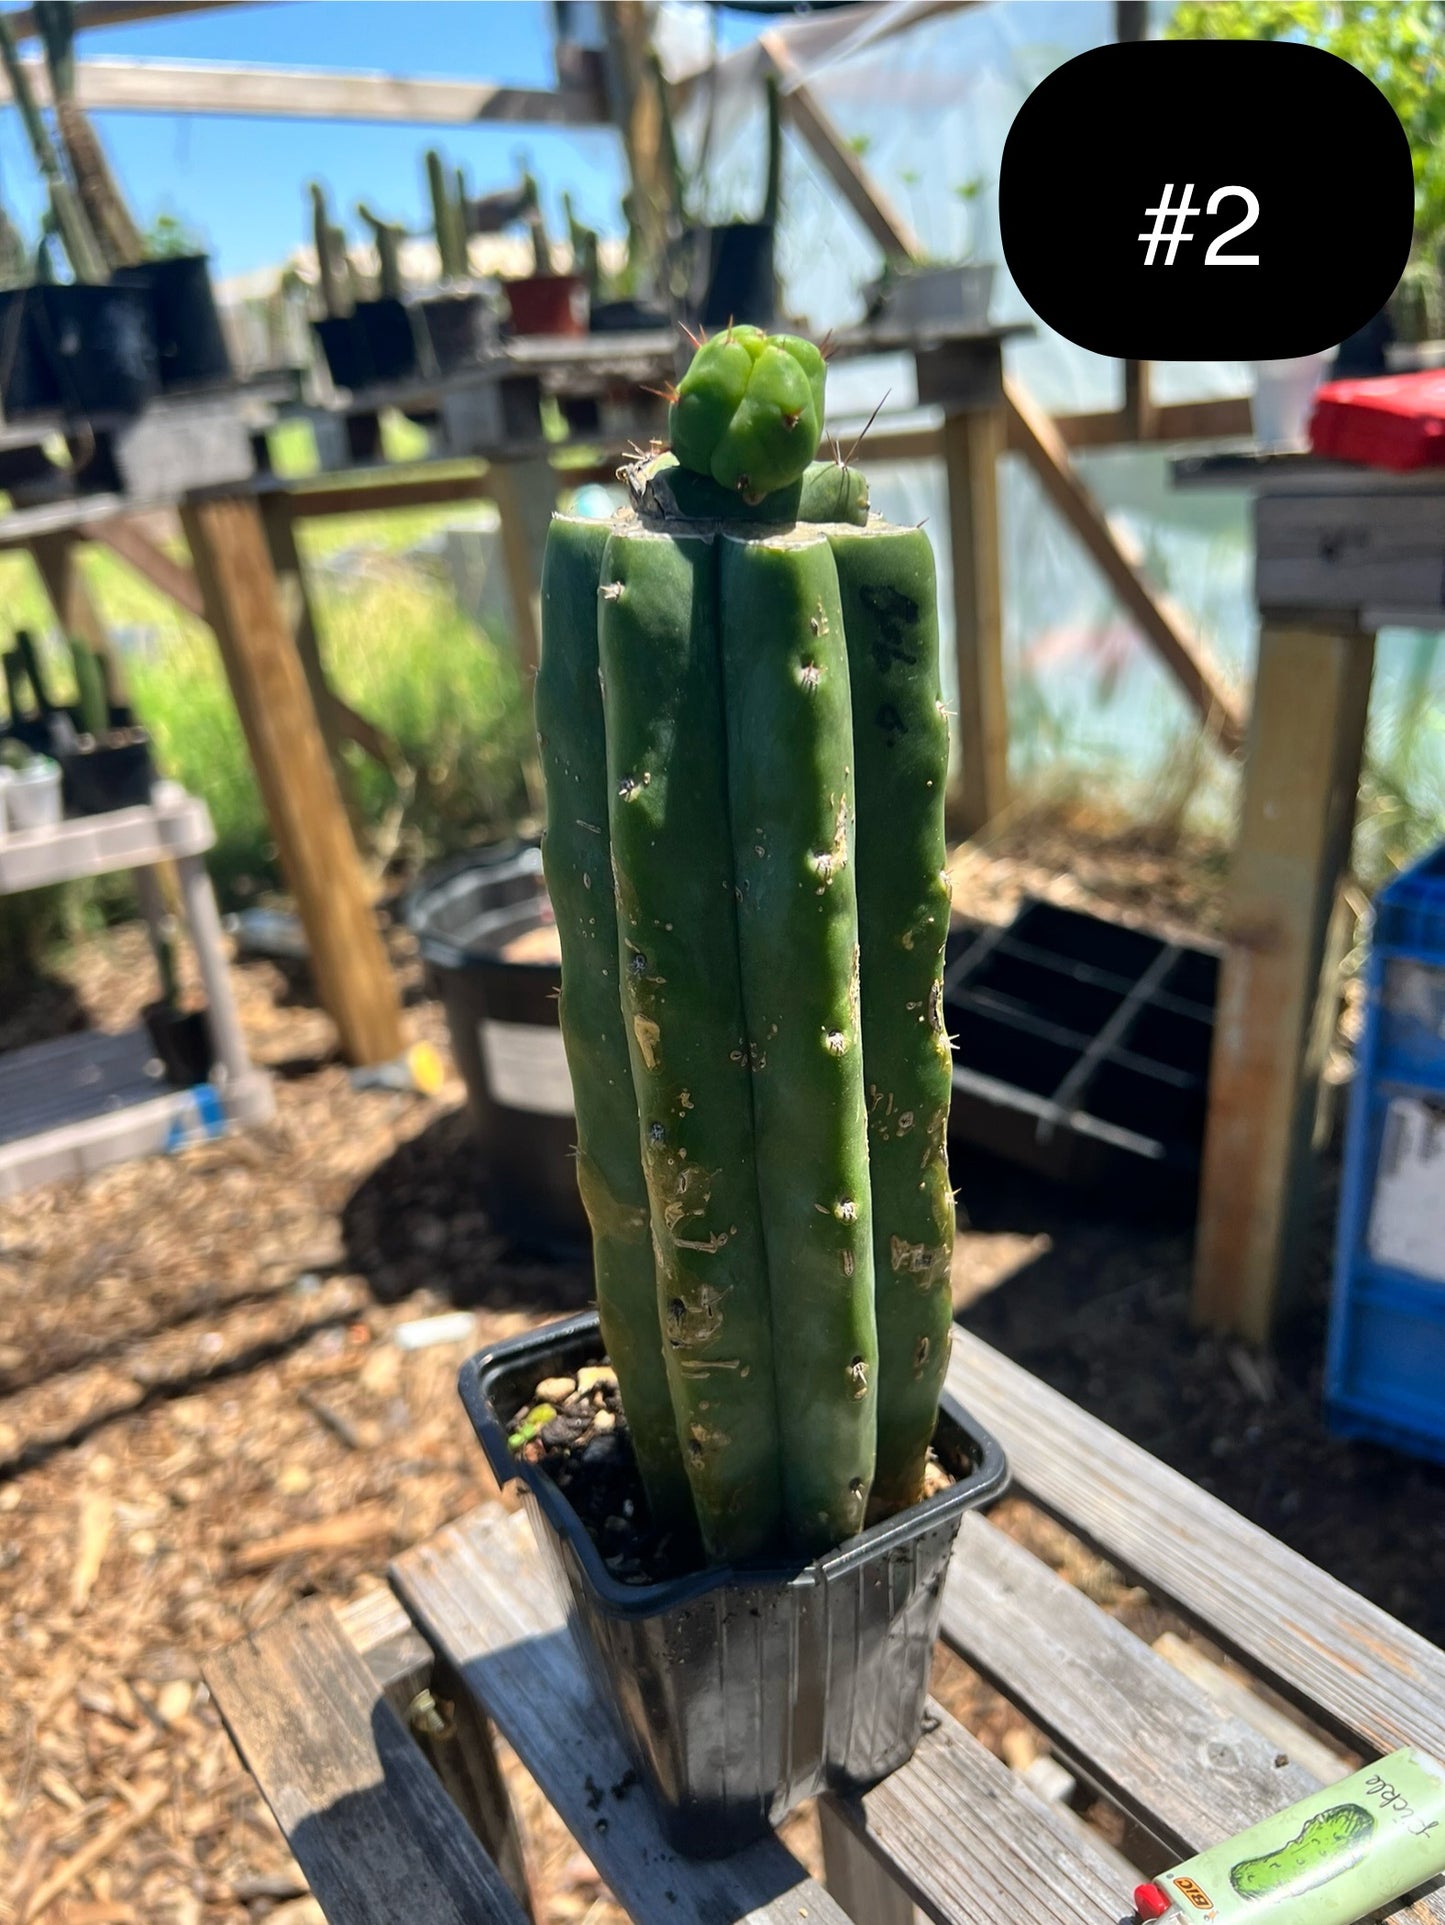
x=682, y=997
x=577, y=863
x=790, y=797
x=900, y=741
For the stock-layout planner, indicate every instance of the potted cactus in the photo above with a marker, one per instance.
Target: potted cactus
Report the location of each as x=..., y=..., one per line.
x=392, y=344
x=342, y=341
x=104, y=766
x=460, y=325
x=544, y=301
x=744, y=752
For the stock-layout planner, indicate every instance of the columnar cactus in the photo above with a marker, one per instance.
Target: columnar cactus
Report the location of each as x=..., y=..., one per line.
x=745, y=852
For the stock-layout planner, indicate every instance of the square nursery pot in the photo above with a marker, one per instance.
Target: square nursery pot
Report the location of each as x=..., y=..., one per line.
x=97, y=344
x=548, y=304
x=740, y=1690
x=344, y=345
x=955, y=299
x=181, y=1038
x=462, y=330
x=115, y=773
x=389, y=339
x=190, y=347
x=27, y=386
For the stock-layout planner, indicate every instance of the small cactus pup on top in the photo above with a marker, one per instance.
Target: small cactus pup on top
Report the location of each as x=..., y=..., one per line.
x=749, y=410
x=742, y=734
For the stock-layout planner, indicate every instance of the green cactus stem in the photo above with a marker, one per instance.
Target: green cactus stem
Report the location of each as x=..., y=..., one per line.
x=585, y=248
x=663, y=490
x=900, y=747
x=447, y=220
x=790, y=797
x=577, y=860
x=387, y=237
x=331, y=267
x=683, y=1003
x=749, y=411
x=67, y=211
x=537, y=222
x=92, y=700
x=30, y=657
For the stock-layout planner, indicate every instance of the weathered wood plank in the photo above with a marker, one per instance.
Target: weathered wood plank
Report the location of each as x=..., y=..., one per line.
x=1279, y=988
x=478, y=1592
x=861, y=1883
x=972, y=445
x=1133, y=1724
x=1354, y=1668
x=975, y=1846
x=377, y=1837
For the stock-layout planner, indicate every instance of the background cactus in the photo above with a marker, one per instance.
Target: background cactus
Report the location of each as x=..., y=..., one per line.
x=388, y=237
x=769, y=664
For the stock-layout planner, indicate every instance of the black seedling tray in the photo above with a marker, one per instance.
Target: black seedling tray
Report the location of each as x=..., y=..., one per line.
x=1081, y=1047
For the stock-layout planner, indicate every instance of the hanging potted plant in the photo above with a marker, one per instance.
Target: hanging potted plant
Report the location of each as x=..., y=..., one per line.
x=87, y=346
x=751, y=1497
x=105, y=766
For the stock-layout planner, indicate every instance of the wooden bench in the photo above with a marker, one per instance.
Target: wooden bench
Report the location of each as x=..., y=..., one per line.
x=955, y=1833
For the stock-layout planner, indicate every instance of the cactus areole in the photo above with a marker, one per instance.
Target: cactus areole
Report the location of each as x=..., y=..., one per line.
x=745, y=751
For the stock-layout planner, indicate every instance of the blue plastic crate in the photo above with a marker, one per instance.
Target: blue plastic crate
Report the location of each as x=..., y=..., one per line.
x=1385, y=1375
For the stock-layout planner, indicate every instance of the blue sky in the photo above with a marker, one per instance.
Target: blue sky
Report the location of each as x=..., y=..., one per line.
x=241, y=183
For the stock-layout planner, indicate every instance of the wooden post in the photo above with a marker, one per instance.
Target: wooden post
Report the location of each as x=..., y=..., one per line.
x=972, y=444
x=856, y=1879
x=1279, y=986
x=58, y=561
x=525, y=493
x=238, y=588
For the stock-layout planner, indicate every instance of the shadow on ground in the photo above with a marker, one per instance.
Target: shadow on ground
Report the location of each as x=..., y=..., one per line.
x=35, y=1007
x=1101, y=1312
x=419, y=1221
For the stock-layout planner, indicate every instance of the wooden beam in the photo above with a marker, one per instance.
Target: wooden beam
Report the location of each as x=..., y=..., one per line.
x=972, y=444
x=1279, y=986
x=1032, y=434
x=1222, y=420
x=370, y=497
x=526, y=494
x=243, y=605
x=153, y=564
x=116, y=85
x=120, y=13
x=803, y=112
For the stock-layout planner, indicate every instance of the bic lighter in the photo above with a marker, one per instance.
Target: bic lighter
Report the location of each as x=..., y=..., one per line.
x=1332, y=1859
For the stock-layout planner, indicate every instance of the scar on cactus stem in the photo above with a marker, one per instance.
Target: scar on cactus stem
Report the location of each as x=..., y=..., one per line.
x=749, y=410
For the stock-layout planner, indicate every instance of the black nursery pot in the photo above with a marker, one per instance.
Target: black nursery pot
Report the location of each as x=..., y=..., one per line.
x=114, y=773
x=344, y=345
x=190, y=346
x=98, y=345
x=388, y=339
x=27, y=386
x=738, y=282
x=182, y=1041
x=742, y=1691
x=461, y=329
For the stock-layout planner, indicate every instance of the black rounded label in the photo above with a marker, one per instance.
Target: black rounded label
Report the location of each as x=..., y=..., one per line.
x=1200, y=200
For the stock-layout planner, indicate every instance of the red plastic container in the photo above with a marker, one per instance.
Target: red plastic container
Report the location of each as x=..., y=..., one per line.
x=1394, y=421
x=548, y=304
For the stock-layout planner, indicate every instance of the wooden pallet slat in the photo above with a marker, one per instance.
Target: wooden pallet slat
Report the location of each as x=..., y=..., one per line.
x=368, y=1820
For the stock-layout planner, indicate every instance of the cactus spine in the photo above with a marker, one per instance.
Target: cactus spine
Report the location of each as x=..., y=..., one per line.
x=775, y=758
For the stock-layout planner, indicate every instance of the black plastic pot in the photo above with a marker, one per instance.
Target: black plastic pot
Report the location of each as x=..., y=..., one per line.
x=114, y=773
x=97, y=344
x=504, y=1032
x=743, y=1691
x=389, y=339
x=462, y=330
x=27, y=386
x=182, y=1041
x=625, y=317
x=190, y=346
x=344, y=345
x=733, y=277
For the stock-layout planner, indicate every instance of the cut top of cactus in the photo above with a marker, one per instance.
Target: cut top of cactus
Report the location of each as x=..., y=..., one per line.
x=749, y=410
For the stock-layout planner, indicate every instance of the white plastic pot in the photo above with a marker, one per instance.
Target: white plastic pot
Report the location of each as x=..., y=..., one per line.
x=1284, y=393
x=32, y=796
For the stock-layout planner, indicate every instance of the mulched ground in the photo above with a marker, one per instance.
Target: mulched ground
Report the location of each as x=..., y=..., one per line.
x=205, y=1415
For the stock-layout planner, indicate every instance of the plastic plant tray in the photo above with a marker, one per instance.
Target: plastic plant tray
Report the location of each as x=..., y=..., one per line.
x=1080, y=1047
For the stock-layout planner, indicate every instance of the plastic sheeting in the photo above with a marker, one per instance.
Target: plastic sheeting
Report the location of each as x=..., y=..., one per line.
x=928, y=108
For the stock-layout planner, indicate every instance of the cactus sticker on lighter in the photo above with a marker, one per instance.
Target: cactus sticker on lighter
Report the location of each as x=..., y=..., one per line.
x=1332, y=1859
